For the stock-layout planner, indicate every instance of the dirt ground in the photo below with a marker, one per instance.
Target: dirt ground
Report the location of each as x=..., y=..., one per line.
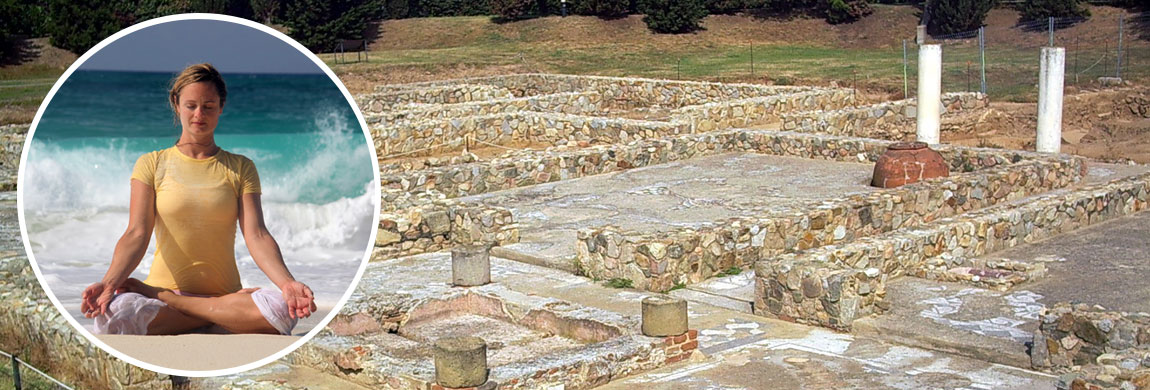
x=1111, y=125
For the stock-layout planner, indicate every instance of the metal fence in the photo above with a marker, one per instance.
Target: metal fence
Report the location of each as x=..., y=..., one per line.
x=19, y=375
x=1004, y=62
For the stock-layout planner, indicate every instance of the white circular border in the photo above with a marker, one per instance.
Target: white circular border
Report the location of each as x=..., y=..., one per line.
x=28, y=145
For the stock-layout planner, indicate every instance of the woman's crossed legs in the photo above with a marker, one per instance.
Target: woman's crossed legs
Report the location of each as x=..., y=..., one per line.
x=237, y=312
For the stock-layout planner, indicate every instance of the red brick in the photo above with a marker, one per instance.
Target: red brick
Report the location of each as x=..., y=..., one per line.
x=672, y=350
x=675, y=359
x=691, y=346
x=693, y=334
x=670, y=340
x=680, y=338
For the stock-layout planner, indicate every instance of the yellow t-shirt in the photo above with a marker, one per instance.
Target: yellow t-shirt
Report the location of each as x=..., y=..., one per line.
x=197, y=209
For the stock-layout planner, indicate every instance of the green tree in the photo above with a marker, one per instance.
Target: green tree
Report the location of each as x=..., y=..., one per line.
x=953, y=16
x=732, y=6
x=602, y=8
x=673, y=16
x=1042, y=9
x=511, y=9
x=846, y=11
x=264, y=11
x=319, y=25
x=78, y=25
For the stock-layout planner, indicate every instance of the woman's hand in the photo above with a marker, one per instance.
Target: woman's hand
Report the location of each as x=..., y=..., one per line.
x=299, y=298
x=95, y=299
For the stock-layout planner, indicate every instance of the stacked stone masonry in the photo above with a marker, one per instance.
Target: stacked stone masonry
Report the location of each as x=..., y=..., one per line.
x=437, y=136
x=625, y=91
x=658, y=261
x=889, y=120
x=441, y=225
x=12, y=141
x=847, y=281
x=28, y=322
x=573, y=103
x=1093, y=348
x=388, y=99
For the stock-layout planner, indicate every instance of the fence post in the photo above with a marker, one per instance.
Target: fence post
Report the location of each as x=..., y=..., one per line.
x=1050, y=27
x=16, y=372
x=905, y=83
x=1118, y=68
x=752, y=60
x=982, y=58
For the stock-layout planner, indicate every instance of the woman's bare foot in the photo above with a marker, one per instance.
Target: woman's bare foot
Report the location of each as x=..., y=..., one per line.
x=136, y=286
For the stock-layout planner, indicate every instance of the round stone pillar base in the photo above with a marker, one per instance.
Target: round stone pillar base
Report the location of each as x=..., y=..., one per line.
x=471, y=265
x=460, y=362
x=664, y=316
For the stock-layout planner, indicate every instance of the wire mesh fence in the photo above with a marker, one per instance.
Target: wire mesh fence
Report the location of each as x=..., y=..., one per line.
x=1009, y=56
x=1002, y=61
x=19, y=375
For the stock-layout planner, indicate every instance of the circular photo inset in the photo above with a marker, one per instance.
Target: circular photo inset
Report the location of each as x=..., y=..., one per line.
x=199, y=195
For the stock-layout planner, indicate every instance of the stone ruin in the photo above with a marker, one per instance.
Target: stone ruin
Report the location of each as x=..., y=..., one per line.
x=451, y=150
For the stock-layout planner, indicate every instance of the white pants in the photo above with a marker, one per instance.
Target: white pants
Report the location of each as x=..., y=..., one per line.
x=130, y=313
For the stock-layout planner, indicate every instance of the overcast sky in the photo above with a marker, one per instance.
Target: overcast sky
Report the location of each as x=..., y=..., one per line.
x=172, y=46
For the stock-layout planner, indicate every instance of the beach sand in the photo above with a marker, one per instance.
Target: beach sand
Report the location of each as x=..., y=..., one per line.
x=199, y=352
x=203, y=352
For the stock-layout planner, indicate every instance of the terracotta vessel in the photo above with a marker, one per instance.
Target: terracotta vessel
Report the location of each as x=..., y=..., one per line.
x=908, y=162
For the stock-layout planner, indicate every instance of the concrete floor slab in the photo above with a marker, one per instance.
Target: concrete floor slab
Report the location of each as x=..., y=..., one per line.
x=736, y=350
x=693, y=193
x=1105, y=264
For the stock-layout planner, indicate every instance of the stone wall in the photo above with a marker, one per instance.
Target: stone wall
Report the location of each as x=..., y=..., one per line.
x=437, y=136
x=573, y=103
x=657, y=261
x=1078, y=334
x=1092, y=347
x=889, y=120
x=625, y=91
x=441, y=225
x=389, y=98
x=780, y=281
x=759, y=110
x=11, y=145
x=32, y=328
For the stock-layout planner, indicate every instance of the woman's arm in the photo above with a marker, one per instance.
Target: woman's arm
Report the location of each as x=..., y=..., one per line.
x=129, y=250
x=266, y=253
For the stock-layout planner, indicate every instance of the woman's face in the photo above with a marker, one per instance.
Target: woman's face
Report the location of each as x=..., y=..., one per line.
x=199, y=108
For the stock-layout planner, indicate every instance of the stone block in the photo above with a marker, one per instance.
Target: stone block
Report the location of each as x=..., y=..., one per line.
x=471, y=265
x=664, y=316
x=460, y=362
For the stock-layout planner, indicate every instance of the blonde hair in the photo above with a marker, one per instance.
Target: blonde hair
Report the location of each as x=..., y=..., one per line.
x=198, y=73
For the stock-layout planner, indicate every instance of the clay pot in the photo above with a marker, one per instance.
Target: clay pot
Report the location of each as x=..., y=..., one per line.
x=908, y=162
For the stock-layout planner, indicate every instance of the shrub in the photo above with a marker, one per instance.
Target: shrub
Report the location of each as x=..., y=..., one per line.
x=601, y=8
x=673, y=16
x=78, y=25
x=320, y=24
x=953, y=16
x=846, y=11
x=454, y=8
x=1042, y=9
x=511, y=9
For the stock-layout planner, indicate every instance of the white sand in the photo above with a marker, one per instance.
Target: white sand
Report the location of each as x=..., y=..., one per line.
x=199, y=352
x=203, y=352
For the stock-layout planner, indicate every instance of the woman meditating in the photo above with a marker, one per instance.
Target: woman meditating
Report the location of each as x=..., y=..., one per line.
x=192, y=195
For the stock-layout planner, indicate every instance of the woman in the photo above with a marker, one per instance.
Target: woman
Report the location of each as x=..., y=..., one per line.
x=192, y=195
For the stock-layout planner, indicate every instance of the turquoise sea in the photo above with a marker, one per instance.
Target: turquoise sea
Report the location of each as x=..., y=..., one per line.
x=313, y=160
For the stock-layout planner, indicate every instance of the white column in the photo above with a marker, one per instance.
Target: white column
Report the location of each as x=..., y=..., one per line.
x=1050, y=81
x=929, y=92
